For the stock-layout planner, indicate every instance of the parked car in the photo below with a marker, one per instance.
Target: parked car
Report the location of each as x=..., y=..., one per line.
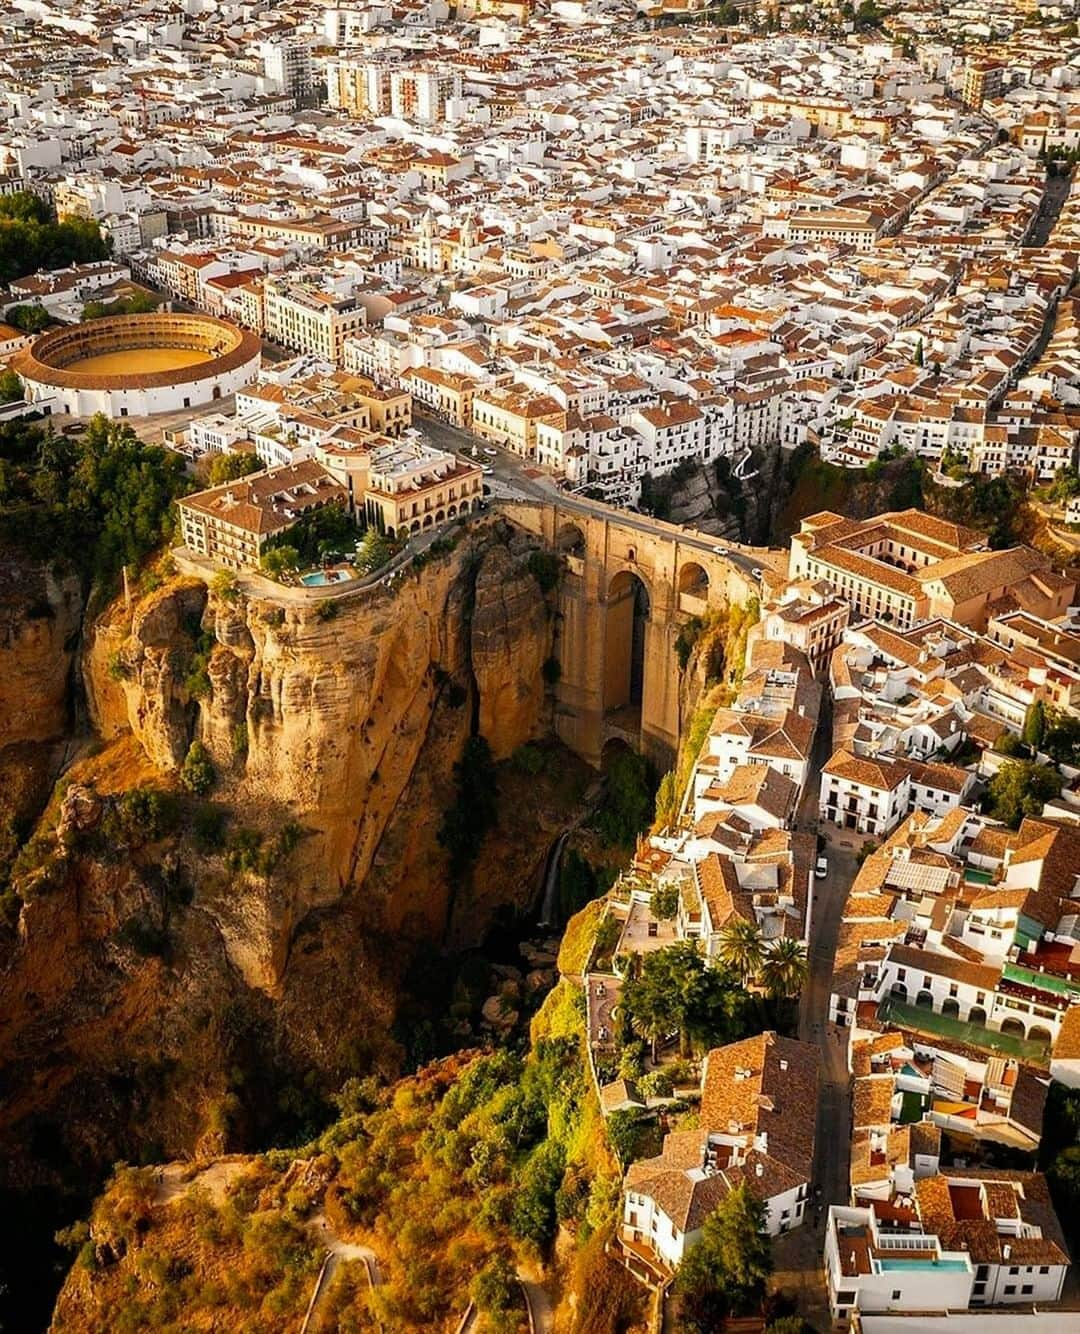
x=491, y=453
x=821, y=867
x=487, y=470
x=719, y=551
x=756, y=572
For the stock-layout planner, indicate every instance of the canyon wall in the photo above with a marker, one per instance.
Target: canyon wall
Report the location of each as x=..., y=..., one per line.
x=146, y=967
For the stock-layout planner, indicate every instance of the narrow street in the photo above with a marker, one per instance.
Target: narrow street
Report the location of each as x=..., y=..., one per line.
x=798, y=1254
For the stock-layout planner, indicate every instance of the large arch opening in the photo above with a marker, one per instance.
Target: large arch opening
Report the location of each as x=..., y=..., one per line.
x=625, y=620
x=1040, y=1033
x=570, y=540
x=1013, y=1028
x=694, y=579
x=977, y=1015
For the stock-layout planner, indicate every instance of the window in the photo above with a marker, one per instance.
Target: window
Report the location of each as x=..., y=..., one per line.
x=1044, y=1269
x=844, y=1298
x=1027, y=1290
x=896, y=1294
x=1010, y=1288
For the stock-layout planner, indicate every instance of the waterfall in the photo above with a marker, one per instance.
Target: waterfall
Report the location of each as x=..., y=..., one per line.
x=550, y=901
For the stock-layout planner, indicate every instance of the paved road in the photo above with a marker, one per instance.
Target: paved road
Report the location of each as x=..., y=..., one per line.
x=540, y=1308
x=798, y=1255
x=508, y=481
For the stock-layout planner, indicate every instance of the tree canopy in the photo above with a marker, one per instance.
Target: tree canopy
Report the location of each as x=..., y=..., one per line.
x=1019, y=788
x=31, y=239
x=725, y=1273
x=101, y=500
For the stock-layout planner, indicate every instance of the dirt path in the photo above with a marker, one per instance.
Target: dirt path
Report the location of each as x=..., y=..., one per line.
x=338, y=1252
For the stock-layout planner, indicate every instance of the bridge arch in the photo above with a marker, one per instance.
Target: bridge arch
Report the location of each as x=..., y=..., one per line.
x=628, y=608
x=694, y=579
x=570, y=540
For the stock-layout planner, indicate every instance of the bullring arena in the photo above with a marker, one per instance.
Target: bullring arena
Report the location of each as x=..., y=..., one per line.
x=137, y=365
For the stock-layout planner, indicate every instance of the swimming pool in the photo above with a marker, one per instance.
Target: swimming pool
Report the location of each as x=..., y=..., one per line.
x=886, y=1265
x=322, y=578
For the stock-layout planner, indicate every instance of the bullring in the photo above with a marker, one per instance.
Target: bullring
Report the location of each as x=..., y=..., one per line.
x=137, y=365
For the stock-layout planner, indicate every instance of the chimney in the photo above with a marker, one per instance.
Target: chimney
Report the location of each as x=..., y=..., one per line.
x=1006, y=1251
x=760, y=1170
x=783, y=1064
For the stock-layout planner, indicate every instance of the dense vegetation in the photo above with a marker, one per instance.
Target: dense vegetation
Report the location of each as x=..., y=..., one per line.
x=453, y=1176
x=100, y=500
x=138, y=303
x=32, y=239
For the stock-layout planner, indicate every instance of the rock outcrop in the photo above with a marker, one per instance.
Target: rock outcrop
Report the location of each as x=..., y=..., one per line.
x=40, y=614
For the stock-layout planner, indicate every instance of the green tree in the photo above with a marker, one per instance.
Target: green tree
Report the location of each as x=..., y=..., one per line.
x=1061, y=737
x=372, y=551
x=726, y=1272
x=664, y=902
x=1065, y=485
x=277, y=561
x=224, y=586
x=622, y=1132
x=783, y=971
x=11, y=389
x=101, y=501
x=30, y=239
x=1034, y=724
x=740, y=947
x=497, y=1294
x=28, y=319
x=627, y=802
x=197, y=771
x=533, y=1216
x=1020, y=788
x=465, y=825
x=230, y=467
x=665, y=993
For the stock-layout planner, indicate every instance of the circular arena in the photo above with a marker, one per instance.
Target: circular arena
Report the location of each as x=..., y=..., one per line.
x=137, y=365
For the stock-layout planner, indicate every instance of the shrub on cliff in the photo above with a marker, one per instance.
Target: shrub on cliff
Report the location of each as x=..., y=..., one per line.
x=197, y=772
x=465, y=825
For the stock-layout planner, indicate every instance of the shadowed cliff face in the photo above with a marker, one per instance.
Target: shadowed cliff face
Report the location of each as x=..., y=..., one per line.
x=143, y=974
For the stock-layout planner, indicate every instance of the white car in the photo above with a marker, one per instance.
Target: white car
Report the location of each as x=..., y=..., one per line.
x=821, y=867
x=491, y=453
x=719, y=551
x=487, y=471
x=756, y=572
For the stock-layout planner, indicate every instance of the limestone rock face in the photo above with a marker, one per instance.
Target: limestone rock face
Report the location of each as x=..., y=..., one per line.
x=511, y=638
x=39, y=625
x=321, y=718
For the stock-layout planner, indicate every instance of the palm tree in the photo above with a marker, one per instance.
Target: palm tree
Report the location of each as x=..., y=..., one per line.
x=740, y=947
x=783, y=970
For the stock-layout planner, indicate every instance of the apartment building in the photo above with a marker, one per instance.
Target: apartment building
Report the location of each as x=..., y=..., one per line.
x=905, y=567
x=872, y=796
x=970, y=1237
x=510, y=417
x=309, y=318
x=808, y=616
x=232, y=524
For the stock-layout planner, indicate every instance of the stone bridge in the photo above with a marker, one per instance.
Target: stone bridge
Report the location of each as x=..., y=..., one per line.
x=631, y=584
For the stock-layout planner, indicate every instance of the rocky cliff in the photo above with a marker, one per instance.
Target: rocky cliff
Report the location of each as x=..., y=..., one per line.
x=175, y=971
